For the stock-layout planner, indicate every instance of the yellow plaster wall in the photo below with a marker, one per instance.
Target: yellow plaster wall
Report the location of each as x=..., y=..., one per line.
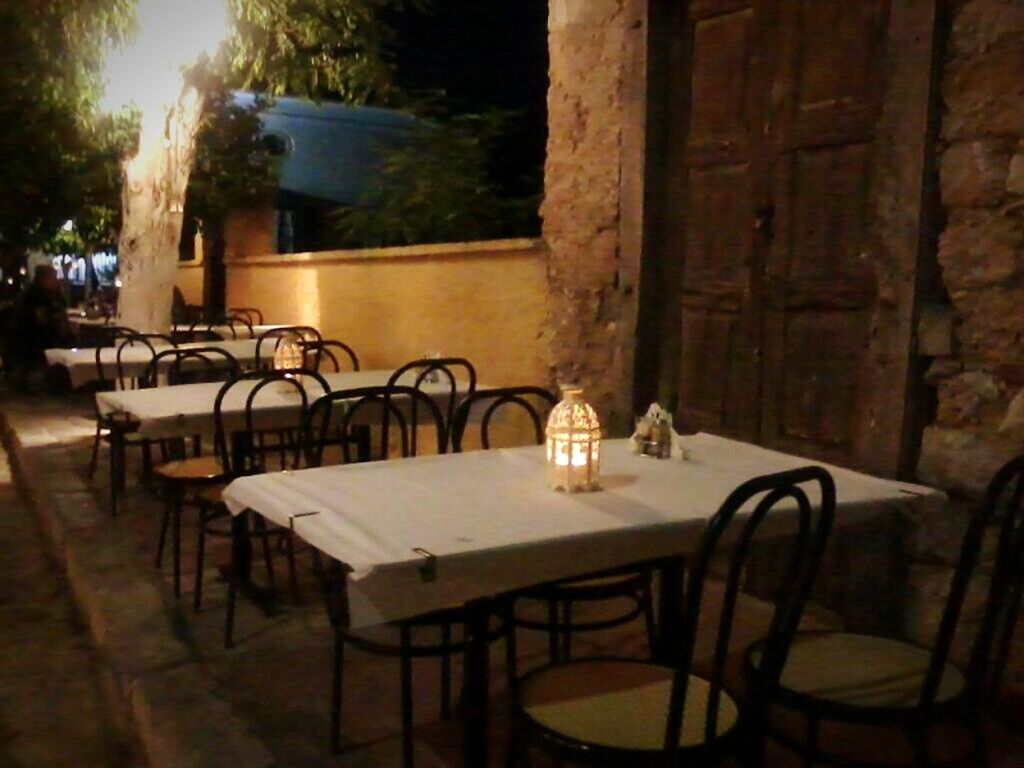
x=483, y=301
x=190, y=281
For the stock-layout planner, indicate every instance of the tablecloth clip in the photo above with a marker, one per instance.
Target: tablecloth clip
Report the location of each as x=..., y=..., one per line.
x=291, y=518
x=428, y=571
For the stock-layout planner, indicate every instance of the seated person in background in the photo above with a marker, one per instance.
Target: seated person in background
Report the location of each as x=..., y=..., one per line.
x=40, y=320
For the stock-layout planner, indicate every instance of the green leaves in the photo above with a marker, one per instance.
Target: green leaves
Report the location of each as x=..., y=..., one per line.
x=437, y=189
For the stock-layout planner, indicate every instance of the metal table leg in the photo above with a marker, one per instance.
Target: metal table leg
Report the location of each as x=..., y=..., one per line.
x=475, y=718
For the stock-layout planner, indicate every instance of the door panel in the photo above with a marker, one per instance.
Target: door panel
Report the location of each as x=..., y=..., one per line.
x=769, y=216
x=820, y=286
x=714, y=243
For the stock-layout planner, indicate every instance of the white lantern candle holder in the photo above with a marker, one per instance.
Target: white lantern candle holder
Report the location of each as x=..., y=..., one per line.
x=289, y=356
x=573, y=444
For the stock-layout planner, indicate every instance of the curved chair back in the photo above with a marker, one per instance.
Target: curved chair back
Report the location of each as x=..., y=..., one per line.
x=268, y=342
x=741, y=515
x=244, y=443
x=190, y=365
x=442, y=373
x=126, y=378
x=240, y=326
x=332, y=352
x=252, y=315
x=395, y=409
x=536, y=402
x=1001, y=512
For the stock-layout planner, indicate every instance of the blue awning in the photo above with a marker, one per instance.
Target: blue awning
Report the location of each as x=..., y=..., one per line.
x=331, y=150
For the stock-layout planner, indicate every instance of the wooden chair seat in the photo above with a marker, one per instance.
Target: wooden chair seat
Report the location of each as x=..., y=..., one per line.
x=618, y=704
x=212, y=494
x=619, y=583
x=199, y=469
x=859, y=671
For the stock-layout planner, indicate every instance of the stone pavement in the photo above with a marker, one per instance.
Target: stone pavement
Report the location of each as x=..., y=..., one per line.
x=56, y=707
x=263, y=703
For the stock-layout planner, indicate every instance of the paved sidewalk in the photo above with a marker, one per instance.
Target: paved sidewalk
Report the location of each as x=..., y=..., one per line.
x=56, y=703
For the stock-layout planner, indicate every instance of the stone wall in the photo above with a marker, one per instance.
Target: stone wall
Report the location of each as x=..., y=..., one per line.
x=979, y=379
x=981, y=251
x=593, y=179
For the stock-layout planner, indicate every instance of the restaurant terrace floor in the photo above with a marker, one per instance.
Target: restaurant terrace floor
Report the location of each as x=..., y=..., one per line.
x=264, y=701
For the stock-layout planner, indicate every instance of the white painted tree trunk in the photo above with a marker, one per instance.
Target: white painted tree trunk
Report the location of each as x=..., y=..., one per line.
x=153, y=200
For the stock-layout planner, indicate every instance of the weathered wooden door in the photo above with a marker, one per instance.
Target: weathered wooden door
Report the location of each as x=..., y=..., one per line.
x=769, y=207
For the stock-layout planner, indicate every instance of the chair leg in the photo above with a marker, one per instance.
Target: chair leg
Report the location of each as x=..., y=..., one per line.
x=293, y=574
x=117, y=470
x=511, y=649
x=516, y=749
x=164, y=524
x=647, y=605
x=919, y=743
x=147, y=462
x=197, y=594
x=810, y=755
x=980, y=738
x=553, y=653
x=408, y=759
x=260, y=526
x=176, y=541
x=446, y=673
x=337, y=681
x=95, y=457
x=567, y=630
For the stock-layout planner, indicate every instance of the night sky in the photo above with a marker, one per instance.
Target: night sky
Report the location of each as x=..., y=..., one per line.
x=485, y=53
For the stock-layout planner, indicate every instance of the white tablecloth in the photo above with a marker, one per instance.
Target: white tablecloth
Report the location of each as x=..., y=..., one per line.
x=81, y=362
x=493, y=526
x=187, y=409
x=78, y=321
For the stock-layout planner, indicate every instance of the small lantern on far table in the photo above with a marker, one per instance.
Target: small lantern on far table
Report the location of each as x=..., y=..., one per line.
x=290, y=356
x=574, y=444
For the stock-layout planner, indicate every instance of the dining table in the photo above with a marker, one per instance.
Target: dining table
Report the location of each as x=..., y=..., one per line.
x=420, y=534
x=80, y=362
x=163, y=413
x=82, y=326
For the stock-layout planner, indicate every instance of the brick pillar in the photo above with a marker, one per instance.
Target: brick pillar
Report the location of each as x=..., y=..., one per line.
x=593, y=175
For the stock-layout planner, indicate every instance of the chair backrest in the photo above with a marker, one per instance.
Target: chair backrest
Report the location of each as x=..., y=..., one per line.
x=244, y=444
x=146, y=343
x=741, y=515
x=251, y=314
x=329, y=351
x=203, y=330
x=442, y=372
x=536, y=402
x=268, y=342
x=240, y=325
x=190, y=365
x=108, y=335
x=395, y=409
x=1001, y=512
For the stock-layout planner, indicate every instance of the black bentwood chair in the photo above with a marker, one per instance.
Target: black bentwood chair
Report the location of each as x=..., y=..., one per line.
x=630, y=585
x=398, y=411
x=251, y=315
x=866, y=681
x=619, y=712
x=253, y=447
x=195, y=480
x=442, y=372
x=121, y=427
x=330, y=352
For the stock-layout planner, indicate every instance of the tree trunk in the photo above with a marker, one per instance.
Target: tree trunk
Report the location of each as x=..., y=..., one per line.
x=214, y=276
x=153, y=202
